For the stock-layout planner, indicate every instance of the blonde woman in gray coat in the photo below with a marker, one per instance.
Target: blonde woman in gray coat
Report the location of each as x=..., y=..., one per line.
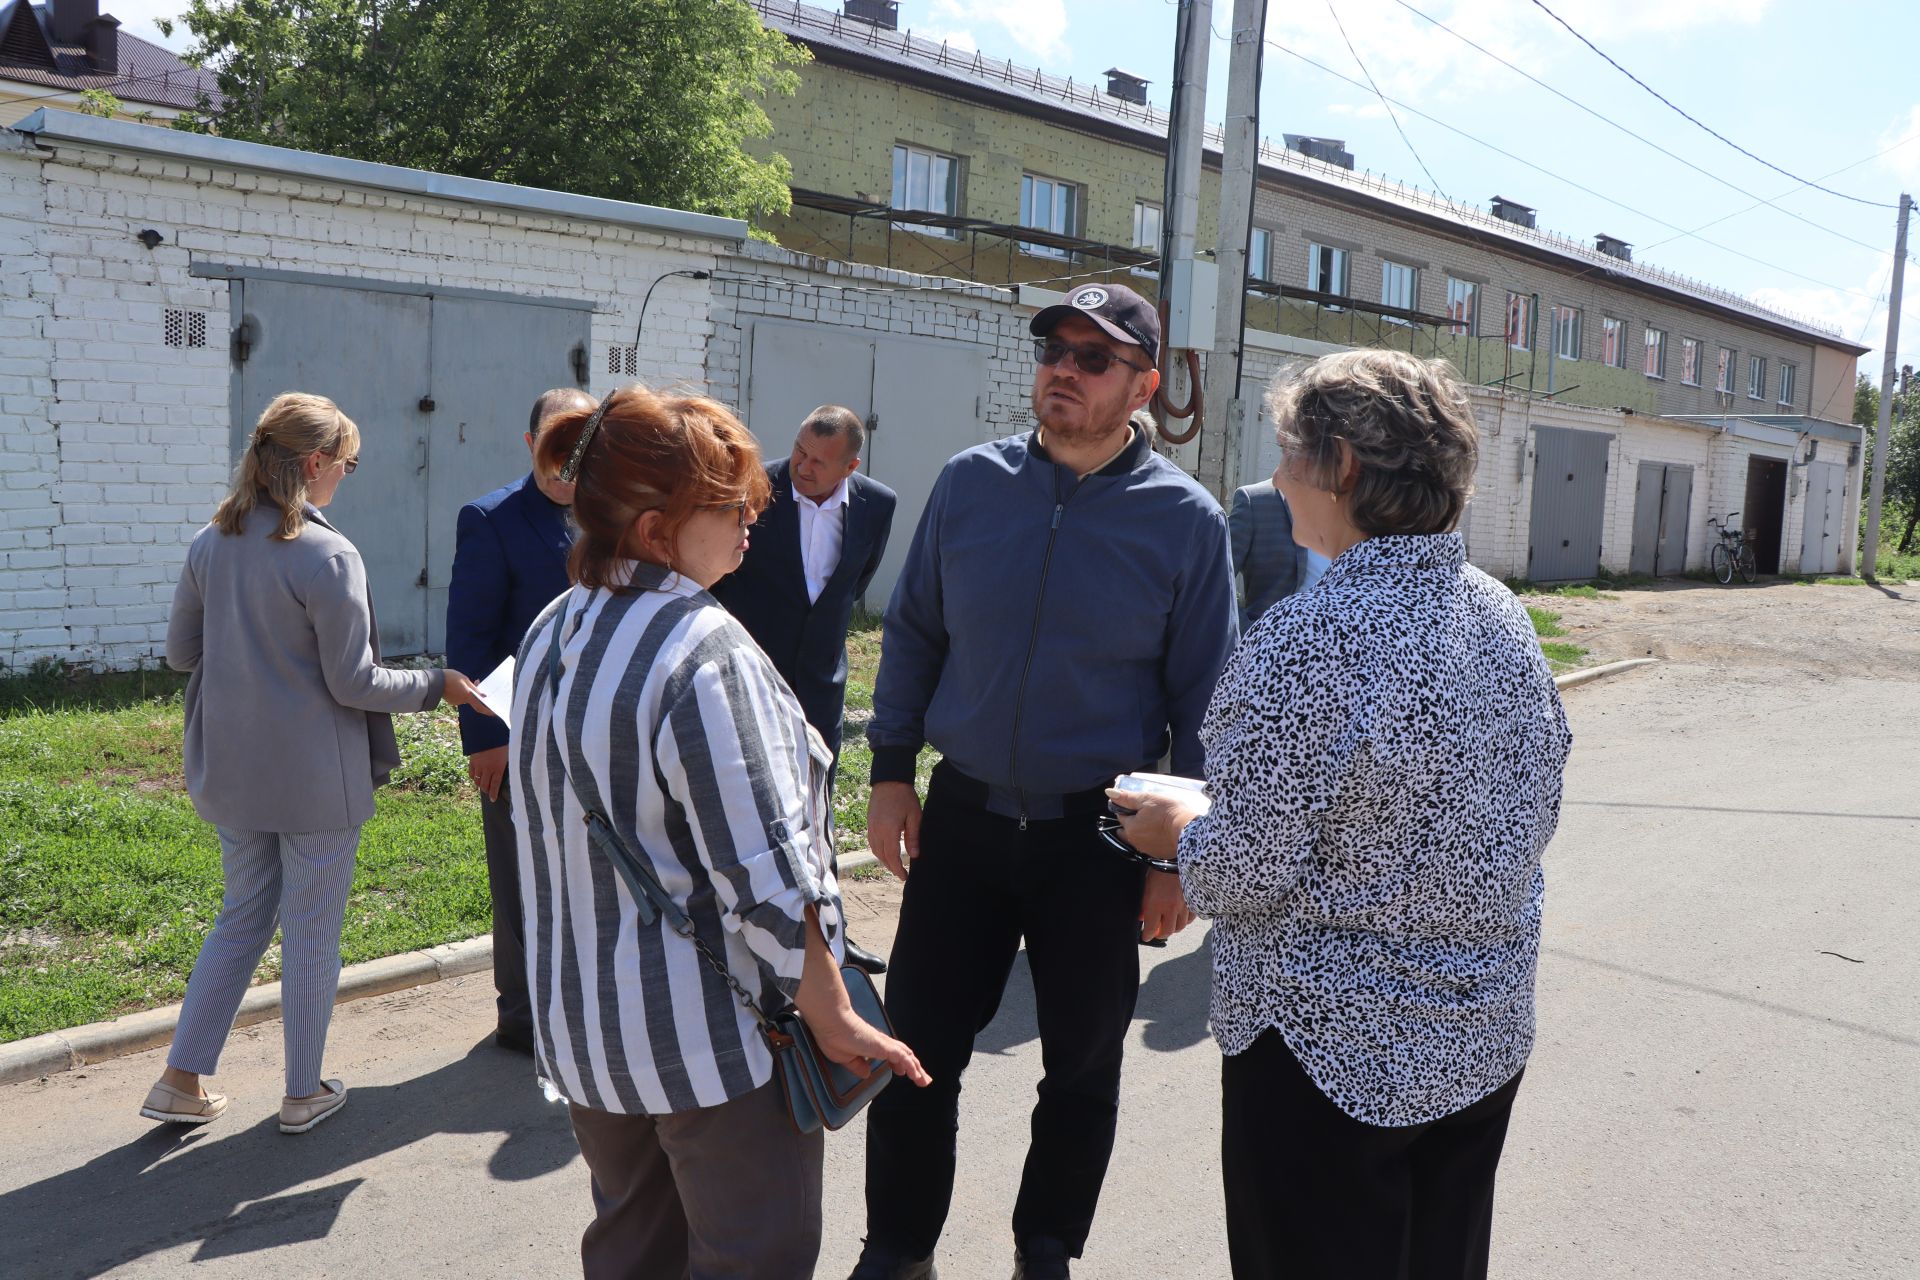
x=288, y=731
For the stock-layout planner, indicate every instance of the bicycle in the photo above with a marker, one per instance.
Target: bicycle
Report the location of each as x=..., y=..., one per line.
x=1732, y=551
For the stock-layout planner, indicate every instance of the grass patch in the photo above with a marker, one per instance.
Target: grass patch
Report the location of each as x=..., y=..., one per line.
x=1894, y=566
x=1560, y=655
x=109, y=880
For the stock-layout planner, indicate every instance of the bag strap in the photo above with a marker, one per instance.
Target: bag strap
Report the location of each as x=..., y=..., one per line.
x=650, y=897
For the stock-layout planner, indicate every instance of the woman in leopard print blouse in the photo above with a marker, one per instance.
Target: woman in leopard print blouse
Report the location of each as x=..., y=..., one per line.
x=1384, y=758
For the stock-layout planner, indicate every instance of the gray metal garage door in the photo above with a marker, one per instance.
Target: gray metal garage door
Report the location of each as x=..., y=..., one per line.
x=922, y=399
x=439, y=384
x=1662, y=502
x=1569, y=503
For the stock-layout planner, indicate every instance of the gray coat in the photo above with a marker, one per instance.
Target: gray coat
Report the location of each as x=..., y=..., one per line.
x=287, y=711
x=1264, y=552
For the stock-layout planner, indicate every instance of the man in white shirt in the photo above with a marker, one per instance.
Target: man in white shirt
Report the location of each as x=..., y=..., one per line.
x=809, y=560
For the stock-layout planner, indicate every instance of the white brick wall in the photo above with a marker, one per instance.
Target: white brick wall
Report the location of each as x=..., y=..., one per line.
x=114, y=446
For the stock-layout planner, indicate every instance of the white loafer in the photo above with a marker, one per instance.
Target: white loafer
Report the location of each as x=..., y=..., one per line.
x=297, y=1115
x=174, y=1106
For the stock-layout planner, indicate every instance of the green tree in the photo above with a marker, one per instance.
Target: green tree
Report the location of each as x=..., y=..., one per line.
x=1900, y=500
x=98, y=102
x=646, y=100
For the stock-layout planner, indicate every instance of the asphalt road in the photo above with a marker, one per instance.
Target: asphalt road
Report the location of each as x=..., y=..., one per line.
x=1727, y=1081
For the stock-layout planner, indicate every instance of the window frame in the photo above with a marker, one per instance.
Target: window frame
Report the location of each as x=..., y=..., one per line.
x=903, y=155
x=1789, y=378
x=1689, y=360
x=1613, y=332
x=1725, y=373
x=1140, y=242
x=1316, y=260
x=1389, y=268
x=1519, y=332
x=1469, y=323
x=1655, y=352
x=1757, y=378
x=1075, y=211
x=1260, y=266
x=1560, y=311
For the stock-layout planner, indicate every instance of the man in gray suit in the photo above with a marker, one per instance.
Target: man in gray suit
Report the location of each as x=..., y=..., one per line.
x=1265, y=556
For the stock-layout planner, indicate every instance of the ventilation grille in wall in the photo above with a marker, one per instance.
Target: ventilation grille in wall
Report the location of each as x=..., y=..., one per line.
x=186, y=328
x=624, y=360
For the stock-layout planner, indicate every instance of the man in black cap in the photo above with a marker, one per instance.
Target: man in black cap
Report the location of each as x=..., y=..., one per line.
x=1062, y=617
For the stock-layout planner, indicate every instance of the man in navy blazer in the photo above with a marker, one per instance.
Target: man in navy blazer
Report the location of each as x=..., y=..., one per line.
x=509, y=562
x=811, y=557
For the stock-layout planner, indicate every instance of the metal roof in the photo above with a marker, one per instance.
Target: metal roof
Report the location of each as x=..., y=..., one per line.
x=1798, y=423
x=148, y=74
x=968, y=69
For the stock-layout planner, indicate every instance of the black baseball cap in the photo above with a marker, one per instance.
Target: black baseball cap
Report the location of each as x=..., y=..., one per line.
x=1123, y=314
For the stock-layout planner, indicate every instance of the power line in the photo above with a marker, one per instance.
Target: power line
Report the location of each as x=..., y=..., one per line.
x=1610, y=121
x=1342, y=28
x=1877, y=204
x=1521, y=160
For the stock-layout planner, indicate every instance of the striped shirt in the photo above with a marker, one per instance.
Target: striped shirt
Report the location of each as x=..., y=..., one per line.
x=678, y=729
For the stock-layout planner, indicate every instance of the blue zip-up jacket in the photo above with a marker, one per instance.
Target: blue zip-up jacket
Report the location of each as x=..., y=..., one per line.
x=1046, y=632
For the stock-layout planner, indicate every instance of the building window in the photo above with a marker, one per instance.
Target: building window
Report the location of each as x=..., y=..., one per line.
x=1756, y=377
x=1690, y=362
x=927, y=182
x=1327, y=269
x=1146, y=235
x=1463, y=300
x=1260, y=254
x=1723, y=380
x=1047, y=205
x=1520, y=321
x=1656, y=366
x=1613, y=342
x=1399, y=287
x=1566, y=333
x=1786, y=383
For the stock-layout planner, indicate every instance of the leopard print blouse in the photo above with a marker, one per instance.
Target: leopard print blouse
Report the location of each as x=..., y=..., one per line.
x=1384, y=754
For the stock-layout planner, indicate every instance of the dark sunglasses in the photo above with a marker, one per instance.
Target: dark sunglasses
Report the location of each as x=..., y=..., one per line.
x=1092, y=361
x=352, y=464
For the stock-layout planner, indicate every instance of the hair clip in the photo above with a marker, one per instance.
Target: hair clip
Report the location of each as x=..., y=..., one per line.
x=569, y=472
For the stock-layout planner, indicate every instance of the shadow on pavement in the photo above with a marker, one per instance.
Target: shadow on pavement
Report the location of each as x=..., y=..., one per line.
x=1173, y=1004
x=233, y=1191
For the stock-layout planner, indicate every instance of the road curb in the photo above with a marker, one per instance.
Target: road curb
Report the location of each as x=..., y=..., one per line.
x=57, y=1051
x=1573, y=679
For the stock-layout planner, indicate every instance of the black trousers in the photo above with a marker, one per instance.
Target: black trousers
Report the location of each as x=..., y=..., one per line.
x=513, y=1010
x=980, y=885
x=1313, y=1193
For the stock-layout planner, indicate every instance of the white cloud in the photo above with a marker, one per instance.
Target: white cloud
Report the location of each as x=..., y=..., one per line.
x=1038, y=27
x=1859, y=315
x=1903, y=160
x=959, y=40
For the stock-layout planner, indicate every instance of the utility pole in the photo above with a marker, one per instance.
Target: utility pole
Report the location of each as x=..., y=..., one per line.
x=1186, y=133
x=1883, y=428
x=1239, y=169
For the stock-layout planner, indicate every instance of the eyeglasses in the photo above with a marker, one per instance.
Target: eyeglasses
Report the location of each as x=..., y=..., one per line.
x=1092, y=361
x=350, y=464
x=740, y=507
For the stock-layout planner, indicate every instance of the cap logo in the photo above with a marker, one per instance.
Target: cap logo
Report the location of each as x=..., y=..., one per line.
x=1088, y=299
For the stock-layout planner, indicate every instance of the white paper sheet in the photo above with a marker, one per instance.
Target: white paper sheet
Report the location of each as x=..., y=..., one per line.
x=497, y=692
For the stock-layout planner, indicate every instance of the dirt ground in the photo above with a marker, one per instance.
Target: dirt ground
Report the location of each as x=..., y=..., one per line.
x=1818, y=630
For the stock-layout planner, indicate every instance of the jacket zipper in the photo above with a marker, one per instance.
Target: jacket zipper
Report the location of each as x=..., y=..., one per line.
x=1033, y=638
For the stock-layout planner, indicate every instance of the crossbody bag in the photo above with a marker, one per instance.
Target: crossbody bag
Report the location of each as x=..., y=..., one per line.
x=819, y=1092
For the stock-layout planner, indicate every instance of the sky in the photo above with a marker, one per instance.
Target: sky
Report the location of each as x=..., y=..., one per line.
x=1821, y=89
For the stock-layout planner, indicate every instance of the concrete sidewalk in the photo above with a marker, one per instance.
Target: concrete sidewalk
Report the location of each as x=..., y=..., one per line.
x=1727, y=1081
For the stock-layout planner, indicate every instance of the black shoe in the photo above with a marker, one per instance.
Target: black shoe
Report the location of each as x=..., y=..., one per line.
x=514, y=1041
x=864, y=960
x=1040, y=1258
x=877, y=1263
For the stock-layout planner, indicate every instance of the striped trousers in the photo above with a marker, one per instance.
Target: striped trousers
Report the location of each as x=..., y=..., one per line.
x=298, y=881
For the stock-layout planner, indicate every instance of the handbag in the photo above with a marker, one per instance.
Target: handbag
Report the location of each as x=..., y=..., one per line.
x=819, y=1092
